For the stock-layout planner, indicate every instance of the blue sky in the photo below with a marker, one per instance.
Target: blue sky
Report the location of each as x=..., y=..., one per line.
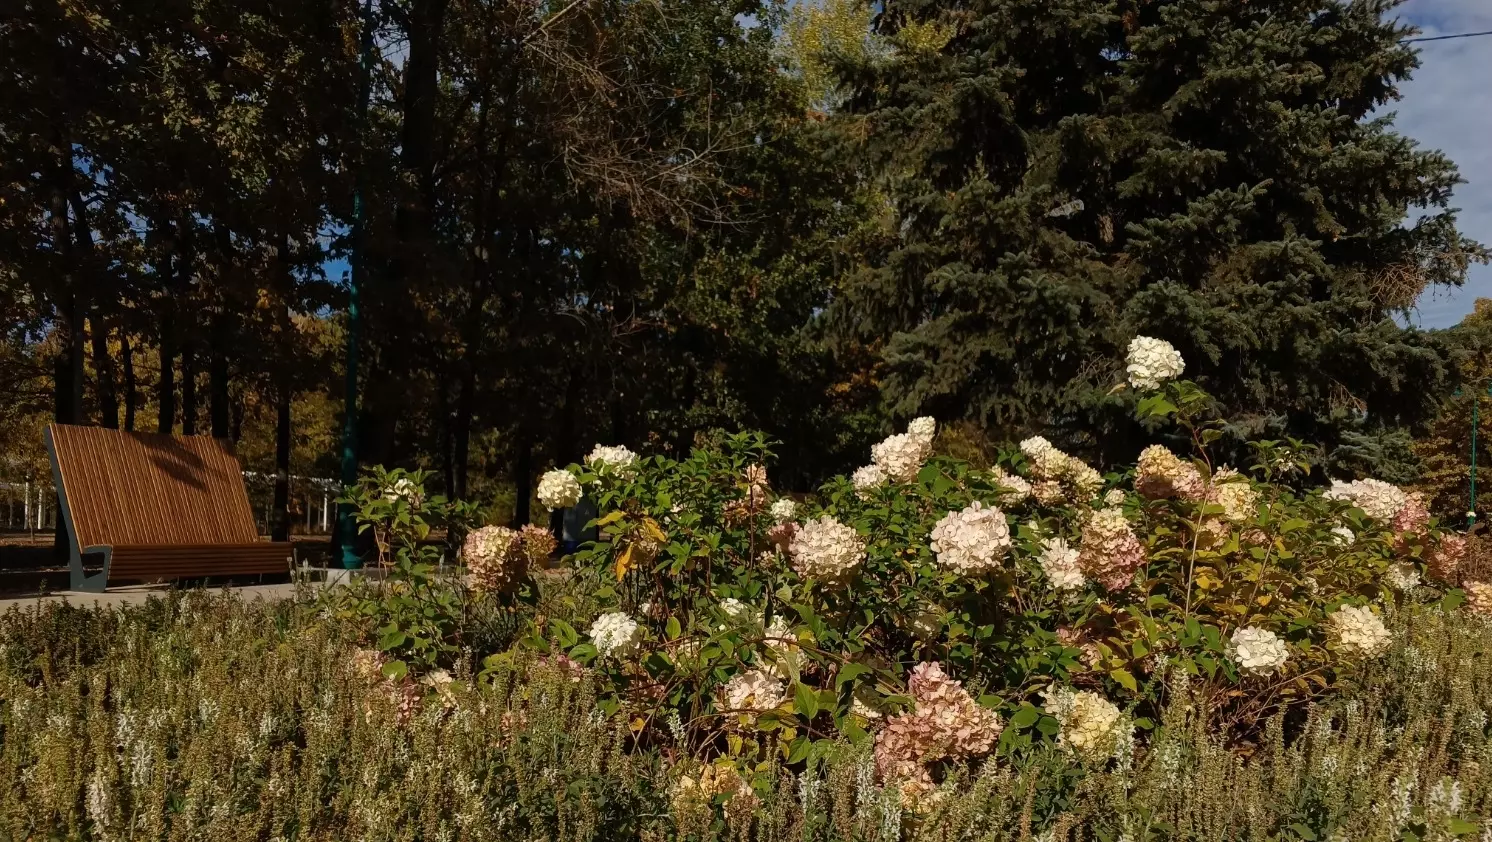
x=1448, y=106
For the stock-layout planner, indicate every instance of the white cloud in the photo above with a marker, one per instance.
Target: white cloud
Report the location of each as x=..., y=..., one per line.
x=1447, y=105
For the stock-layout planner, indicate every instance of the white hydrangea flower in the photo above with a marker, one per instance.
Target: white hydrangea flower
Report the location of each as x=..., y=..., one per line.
x=1152, y=362
x=900, y=457
x=1257, y=651
x=923, y=429
x=615, y=634
x=1018, y=488
x=784, y=510
x=826, y=549
x=616, y=458
x=1090, y=725
x=754, y=691
x=1059, y=562
x=868, y=477
x=1237, y=496
x=1046, y=460
x=1358, y=632
x=971, y=541
x=1343, y=536
x=1379, y=500
x=736, y=610
x=559, y=490
x=1115, y=497
x=1403, y=576
x=404, y=489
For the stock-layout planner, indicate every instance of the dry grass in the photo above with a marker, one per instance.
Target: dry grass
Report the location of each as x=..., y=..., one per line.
x=203, y=718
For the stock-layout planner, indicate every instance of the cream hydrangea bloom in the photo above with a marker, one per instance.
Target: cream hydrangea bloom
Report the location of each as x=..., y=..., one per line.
x=1237, y=496
x=754, y=691
x=1110, y=552
x=1479, y=598
x=1343, y=536
x=1091, y=726
x=490, y=558
x=900, y=457
x=1358, y=632
x=972, y=541
x=1114, y=497
x=615, y=635
x=867, y=478
x=1017, y=488
x=1047, y=462
x=558, y=490
x=616, y=458
x=1257, y=651
x=1060, y=564
x=1379, y=500
x=1403, y=576
x=923, y=429
x=736, y=610
x=826, y=549
x=1162, y=474
x=784, y=510
x=1058, y=474
x=1152, y=362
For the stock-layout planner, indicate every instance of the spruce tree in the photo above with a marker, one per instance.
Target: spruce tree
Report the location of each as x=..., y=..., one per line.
x=1062, y=175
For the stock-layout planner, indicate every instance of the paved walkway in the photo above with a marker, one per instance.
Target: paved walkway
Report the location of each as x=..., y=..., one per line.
x=138, y=595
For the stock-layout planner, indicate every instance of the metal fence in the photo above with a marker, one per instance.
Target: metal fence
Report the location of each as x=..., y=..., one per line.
x=32, y=506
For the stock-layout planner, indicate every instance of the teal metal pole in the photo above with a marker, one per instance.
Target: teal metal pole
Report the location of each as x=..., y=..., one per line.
x=346, y=526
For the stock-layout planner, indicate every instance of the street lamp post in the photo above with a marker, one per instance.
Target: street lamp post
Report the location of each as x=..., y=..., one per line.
x=1476, y=400
x=346, y=528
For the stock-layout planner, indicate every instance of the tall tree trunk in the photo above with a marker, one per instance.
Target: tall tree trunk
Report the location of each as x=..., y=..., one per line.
x=188, y=388
x=523, y=477
x=67, y=393
x=166, y=389
x=219, y=334
x=462, y=448
x=281, y=530
x=103, y=371
x=131, y=397
x=217, y=380
x=447, y=421
x=283, y=377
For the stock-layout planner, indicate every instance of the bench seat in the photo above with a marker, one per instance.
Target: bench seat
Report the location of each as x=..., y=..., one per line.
x=187, y=561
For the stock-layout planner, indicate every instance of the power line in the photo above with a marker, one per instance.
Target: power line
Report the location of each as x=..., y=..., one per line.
x=1447, y=37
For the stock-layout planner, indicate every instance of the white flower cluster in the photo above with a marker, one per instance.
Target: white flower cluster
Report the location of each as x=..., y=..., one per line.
x=1358, y=632
x=404, y=489
x=1403, y=576
x=1060, y=564
x=1379, y=500
x=1257, y=651
x=1059, y=475
x=972, y=541
x=1114, y=497
x=1237, y=496
x=784, y=510
x=490, y=558
x=826, y=549
x=1152, y=362
x=754, y=691
x=615, y=635
x=1017, y=488
x=1090, y=725
x=898, y=458
x=901, y=456
x=1479, y=598
x=1342, y=536
x=559, y=490
x=867, y=478
x=615, y=458
x=735, y=610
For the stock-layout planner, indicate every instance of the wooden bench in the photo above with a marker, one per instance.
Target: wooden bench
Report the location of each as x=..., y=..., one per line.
x=151, y=506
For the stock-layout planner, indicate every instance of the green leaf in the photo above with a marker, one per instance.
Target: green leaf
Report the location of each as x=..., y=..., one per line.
x=1025, y=717
x=564, y=633
x=1461, y=827
x=799, y=753
x=395, y=670
x=850, y=672
x=806, y=700
x=1125, y=679
x=674, y=629
x=1304, y=832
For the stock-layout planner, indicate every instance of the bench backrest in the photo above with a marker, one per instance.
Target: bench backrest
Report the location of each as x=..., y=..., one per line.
x=148, y=488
